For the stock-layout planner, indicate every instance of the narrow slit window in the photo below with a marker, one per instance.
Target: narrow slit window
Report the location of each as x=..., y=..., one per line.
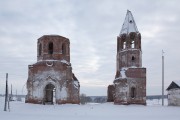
x=133, y=58
x=124, y=45
x=50, y=48
x=132, y=44
x=133, y=92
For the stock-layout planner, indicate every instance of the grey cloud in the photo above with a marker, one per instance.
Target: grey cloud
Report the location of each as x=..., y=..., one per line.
x=92, y=27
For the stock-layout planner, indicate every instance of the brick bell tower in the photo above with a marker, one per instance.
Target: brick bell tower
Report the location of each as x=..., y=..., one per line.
x=130, y=80
x=129, y=52
x=53, y=47
x=50, y=79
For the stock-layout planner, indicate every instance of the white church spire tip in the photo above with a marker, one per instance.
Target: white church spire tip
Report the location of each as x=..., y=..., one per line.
x=129, y=24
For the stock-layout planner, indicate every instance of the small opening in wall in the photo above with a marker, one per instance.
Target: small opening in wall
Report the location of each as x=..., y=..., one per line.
x=50, y=48
x=133, y=58
x=132, y=44
x=124, y=45
x=133, y=92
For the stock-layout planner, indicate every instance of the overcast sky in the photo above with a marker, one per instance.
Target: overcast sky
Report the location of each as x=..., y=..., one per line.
x=92, y=27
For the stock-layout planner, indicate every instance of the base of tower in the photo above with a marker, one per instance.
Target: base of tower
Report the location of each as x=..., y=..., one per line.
x=35, y=101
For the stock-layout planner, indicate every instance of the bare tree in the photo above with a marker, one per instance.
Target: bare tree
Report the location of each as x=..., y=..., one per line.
x=83, y=99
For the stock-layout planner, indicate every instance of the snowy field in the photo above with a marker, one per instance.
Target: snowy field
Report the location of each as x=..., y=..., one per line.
x=105, y=111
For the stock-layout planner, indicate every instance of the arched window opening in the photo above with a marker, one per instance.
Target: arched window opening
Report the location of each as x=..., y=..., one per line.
x=64, y=49
x=132, y=44
x=50, y=48
x=124, y=45
x=40, y=49
x=133, y=92
x=133, y=58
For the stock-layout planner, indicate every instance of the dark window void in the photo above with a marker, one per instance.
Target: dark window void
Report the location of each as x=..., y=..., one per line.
x=133, y=92
x=64, y=49
x=50, y=48
x=40, y=49
x=133, y=58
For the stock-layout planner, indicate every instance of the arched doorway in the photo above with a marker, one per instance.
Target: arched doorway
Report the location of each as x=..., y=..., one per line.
x=49, y=96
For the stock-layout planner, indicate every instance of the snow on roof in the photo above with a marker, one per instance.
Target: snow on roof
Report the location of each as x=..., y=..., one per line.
x=130, y=49
x=177, y=82
x=66, y=62
x=129, y=24
x=63, y=61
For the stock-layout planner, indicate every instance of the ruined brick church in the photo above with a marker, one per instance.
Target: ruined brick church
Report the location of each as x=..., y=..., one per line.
x=129, y=86
x=50, y=79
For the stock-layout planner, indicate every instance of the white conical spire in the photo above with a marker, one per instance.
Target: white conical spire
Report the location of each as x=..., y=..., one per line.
x=129, y=24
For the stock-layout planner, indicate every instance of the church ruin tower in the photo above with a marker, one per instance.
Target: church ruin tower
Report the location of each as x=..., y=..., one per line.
x=50, y=79
x=130, y=80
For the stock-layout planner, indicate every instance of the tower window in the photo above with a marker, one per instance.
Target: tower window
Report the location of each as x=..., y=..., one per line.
x=50, y=48
x=124, y=45
x=132, y=44
x=133, y=92
x=64, y=48
x=133, y=58
x=40, y=49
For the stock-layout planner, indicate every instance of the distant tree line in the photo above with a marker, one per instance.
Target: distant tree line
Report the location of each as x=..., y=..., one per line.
x=102, y=99
x=92, y=99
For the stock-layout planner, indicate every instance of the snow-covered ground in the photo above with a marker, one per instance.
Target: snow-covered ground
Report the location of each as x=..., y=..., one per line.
x=105, y=111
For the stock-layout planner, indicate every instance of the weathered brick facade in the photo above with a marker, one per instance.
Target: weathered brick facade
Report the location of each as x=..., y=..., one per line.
x=130, y=80
x=50, y=79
